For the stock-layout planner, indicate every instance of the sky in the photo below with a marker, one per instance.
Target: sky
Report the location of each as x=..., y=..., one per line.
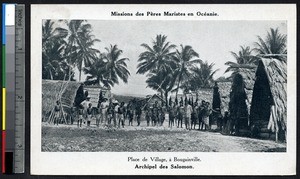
x=212, y=40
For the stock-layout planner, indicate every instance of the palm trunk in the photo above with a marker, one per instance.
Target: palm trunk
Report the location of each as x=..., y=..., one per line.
x=166, y=98
x=179, y=80
x=51, y=76
x=177, y=89
x=80, y=69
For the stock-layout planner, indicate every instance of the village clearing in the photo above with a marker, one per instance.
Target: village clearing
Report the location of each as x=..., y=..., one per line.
x=69, y=138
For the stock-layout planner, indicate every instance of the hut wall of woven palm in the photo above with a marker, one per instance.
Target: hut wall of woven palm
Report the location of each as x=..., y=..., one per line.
x=204, y=94
x=249, y=80
x=224, y=90
x=275, y=72
x=50, y=94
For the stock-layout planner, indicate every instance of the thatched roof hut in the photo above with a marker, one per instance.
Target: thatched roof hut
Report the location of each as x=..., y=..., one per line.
x=240, y=98
x=224, y=90
x=249, y=80
x=150, y=100
x=205, y=94
x=269, y=103
x=50, y=93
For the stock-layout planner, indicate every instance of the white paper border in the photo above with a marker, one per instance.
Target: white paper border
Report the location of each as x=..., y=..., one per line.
x=115, y=163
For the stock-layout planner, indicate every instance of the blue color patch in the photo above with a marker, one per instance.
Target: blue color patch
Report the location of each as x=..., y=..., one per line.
x=3, y=24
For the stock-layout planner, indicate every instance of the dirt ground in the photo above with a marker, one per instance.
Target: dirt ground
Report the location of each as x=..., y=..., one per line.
x=70, y=138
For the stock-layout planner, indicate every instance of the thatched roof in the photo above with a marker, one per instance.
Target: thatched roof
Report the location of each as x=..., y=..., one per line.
x=224, y=90
x=249, y=80
x=153, y=98
x=276, y=73
x=206, y=94
x=50, y=93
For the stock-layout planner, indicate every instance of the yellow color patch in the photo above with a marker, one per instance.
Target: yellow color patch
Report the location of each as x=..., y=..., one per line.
x=3, y=108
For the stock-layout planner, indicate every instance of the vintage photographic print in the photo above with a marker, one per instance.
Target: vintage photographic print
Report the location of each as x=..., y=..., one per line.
x=167, y=86
x=139, y=89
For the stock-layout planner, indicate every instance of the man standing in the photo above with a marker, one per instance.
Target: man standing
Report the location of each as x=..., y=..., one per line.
x=148, y=111
x=89, y=114
x=121, y=113
x=138, y=113
x=188, y=114
x=194, y=115
x=206, y=114
x=130, y=113
x=80, y=115
x=171, y=110
x=104, y=107
x=180, y=114
x=85, y=105
x=115, y=113
x=155, y=113
x=200, y=115
x=56, y=113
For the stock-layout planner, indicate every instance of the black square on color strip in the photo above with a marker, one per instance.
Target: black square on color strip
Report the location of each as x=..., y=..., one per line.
x=9, y=162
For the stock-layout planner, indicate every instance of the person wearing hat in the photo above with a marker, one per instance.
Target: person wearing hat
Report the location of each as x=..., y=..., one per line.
x=85, y=105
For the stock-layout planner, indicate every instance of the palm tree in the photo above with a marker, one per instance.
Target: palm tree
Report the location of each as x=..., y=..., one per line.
x=157, y=57
x=202, y=77
x=51, y=34
x=114, y=66
x=80, y=44
x=244, y=59
x=96, y=73
x=163, y=82
x=53, y=48
x=273, y=44
x=186, y=60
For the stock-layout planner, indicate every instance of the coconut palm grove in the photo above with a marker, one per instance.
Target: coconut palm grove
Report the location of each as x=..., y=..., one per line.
x=189, y=110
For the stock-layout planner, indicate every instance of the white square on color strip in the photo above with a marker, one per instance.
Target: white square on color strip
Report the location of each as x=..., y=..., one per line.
x=10, y=14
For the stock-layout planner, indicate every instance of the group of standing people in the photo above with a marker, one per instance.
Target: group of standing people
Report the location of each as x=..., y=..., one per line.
x=115, y=113
x=106, y=113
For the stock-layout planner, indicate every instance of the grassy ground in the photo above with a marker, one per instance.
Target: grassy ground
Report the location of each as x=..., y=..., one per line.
x=147, y=139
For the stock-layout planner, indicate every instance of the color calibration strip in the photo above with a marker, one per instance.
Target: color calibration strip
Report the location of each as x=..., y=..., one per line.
x=13, y=88
x=8, y=86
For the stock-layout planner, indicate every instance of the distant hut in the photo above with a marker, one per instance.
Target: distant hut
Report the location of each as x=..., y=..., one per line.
x=269, y=104
x=151, y=99
x=97, y=93
x=51, y=90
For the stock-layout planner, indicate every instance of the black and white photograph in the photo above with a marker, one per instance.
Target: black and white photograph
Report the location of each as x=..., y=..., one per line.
x=162, y=90
x=166, y=86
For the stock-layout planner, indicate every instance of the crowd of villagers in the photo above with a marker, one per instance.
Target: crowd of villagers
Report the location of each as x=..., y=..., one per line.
x=191, y=115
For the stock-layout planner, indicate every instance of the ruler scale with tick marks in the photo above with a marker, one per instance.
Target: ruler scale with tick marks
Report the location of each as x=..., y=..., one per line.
x=13, y=89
